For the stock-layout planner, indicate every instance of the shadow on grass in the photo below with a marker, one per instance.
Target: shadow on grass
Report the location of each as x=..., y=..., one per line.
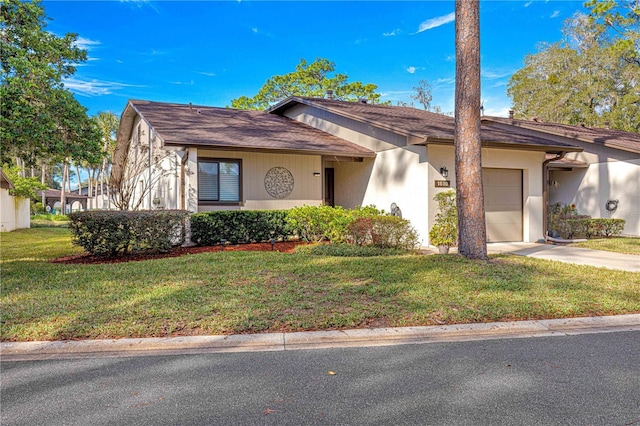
x=245, y=292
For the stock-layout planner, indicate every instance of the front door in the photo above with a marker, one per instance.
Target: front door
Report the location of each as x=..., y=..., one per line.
x=328, y=187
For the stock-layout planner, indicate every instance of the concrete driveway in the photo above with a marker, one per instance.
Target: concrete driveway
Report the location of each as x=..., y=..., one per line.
x=569, y=254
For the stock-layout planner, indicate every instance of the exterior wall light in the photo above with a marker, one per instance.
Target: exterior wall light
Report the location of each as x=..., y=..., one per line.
x=444, y=172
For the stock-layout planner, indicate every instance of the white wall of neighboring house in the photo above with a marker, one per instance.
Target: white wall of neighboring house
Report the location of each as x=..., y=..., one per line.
x=591, y=188
x=14, y=212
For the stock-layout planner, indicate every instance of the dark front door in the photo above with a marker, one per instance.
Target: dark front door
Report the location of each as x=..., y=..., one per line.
x=328, y=187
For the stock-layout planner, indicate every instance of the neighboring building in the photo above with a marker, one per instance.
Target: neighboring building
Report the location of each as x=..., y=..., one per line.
x=74, y=201
x=323, y=151
x=602, y=180
x=15, y=211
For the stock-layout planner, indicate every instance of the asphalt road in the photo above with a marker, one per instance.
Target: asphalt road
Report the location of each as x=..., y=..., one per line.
x=590, y=379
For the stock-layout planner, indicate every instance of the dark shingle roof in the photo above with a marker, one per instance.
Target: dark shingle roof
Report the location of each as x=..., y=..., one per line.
x=627, y=141
x=186, y=125
x=428, y=126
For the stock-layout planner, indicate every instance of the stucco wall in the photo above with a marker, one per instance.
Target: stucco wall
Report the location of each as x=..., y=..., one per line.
x=590, y=189
x=529, y=162
x=307, y=188
x=397, y=176
x=14, y=212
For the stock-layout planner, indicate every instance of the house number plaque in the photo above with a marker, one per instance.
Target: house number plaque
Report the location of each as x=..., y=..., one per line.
x=443, y=184
x=278, y=182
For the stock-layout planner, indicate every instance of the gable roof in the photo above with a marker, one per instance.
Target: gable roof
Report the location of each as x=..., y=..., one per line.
x=424, y=126
x=225, y=128
x=4, y=181
x=627, y=141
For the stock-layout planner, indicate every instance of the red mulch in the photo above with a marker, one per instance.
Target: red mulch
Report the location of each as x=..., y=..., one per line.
x=90, y=259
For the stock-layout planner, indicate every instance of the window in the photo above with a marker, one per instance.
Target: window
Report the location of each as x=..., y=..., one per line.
x=219, y=181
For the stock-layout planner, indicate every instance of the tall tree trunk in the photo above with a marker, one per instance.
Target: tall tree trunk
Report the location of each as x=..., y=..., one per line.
x=43, y=179
x=472, y=231
x=79, y=179
x=65, y=175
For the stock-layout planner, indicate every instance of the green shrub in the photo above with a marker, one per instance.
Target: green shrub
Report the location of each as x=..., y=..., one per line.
x=444, y=231
x=237, y=226
x=108, y=232
x=317, y=223
x=605, y=227
x=347, y=250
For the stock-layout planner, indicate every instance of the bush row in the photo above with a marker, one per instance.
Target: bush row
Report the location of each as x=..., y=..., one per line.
x=594, y=228
x=114, y=232
x=239, y=226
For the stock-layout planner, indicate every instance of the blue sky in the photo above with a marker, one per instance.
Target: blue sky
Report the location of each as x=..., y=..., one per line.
x=209, y=52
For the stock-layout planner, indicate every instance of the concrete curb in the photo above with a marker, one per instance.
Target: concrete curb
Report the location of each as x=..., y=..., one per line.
x=20, y=351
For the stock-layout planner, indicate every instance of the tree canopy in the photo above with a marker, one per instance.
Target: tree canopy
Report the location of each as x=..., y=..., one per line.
x=39, y=118
x=622, y=19
x=309, y=79
x=584, y=78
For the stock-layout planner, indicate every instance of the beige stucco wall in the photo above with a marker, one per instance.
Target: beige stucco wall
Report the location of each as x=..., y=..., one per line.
x=395, y=176
x=530, y=162
x=14, y=212
x=590, y=189
x=307, y=189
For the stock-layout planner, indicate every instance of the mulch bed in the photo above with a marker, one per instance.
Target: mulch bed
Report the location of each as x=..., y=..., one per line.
x=90, y=259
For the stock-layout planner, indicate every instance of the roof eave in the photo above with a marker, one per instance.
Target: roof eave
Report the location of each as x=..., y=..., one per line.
x=504, y=145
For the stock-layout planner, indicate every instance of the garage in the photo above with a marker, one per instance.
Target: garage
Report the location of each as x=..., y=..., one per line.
x=503, y=204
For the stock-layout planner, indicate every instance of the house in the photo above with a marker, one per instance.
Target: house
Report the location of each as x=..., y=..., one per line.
x=15, y=212
x=602, y=180
x=324, y=151
x=73, y=200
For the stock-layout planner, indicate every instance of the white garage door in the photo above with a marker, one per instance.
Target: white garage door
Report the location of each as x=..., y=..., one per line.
x=503, y=204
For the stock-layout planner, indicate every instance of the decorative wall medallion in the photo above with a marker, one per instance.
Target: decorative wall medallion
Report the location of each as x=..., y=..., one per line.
x=278, y=182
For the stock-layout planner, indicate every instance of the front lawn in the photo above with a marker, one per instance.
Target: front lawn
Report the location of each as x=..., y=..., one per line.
x=246, y=292
x=627, y=245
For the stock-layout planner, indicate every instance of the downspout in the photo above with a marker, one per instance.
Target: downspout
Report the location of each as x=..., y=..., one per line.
x=545, y=191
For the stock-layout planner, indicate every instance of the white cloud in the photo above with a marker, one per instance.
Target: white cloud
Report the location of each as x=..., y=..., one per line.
x=392, y=33
x=436, y=22
x=85, y=43
x=495, y=74
x=183, y=83
x=255, y=30
x=555, y=14
x=208, y=74
x=411, y=70
x=500, y=111
x=527, y=4
x=93, y=87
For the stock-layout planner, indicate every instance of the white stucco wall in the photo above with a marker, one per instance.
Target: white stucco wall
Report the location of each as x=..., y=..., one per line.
x=14, y=212
x=307, y=189
x=530, y=162
x=590, y=189
x=397, y=176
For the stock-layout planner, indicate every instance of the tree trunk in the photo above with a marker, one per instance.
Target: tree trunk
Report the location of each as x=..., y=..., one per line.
x=472, y=232
x=79, y=180
x=65, y=173
x=43, y=179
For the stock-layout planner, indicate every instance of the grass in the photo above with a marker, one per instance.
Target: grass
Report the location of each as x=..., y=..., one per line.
x=49, y=220
x=627, y=245
x=245, y=292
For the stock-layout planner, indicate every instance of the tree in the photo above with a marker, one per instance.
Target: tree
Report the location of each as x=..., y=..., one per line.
x=622, y=17
x=583, y=79
x=423, y=94
x=22, y=186
x=472, y=237
x=34, y=62
x=309, y=79
x=108, y=124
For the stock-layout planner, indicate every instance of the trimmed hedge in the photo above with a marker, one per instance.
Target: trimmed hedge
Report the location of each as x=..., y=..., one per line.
x=318, y=223
x=110, y=232
x=383, y=232
x=239, y=226
x=594, y=228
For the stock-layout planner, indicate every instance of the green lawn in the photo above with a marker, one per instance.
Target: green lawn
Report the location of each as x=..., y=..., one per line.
x=244, y=292
x=618, y=245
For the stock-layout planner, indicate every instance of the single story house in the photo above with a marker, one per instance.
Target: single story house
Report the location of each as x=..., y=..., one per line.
x=602, y=180
x=15, y=212
x=317, y=151
x=73, y=200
